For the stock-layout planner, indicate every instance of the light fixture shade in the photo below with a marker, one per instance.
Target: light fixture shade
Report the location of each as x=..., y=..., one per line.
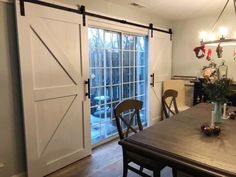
x=223, y=31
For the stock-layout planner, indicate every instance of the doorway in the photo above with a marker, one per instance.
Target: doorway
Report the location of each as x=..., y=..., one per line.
x=118, y=71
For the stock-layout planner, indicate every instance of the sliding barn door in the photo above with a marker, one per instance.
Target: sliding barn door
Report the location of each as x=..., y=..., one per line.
x=54, y=67
x=160, y=57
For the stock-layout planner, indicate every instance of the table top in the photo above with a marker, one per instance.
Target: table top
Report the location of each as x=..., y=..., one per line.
x=180, y=138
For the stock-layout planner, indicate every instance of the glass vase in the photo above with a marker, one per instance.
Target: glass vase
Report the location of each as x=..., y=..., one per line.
x=217, y=109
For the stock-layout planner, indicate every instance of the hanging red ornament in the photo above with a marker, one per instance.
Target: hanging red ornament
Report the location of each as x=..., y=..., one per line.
x=209, y=54
x=200, y=51
x=234, y=55
x=219, y=51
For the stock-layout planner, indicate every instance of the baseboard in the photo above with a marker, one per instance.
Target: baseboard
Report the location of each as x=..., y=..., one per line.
x=22, y=174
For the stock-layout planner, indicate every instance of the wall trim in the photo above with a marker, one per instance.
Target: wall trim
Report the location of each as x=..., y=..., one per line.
x=22, y=174
x=7, y=1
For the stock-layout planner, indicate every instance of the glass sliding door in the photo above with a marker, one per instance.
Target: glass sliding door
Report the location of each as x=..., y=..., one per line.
x=117, y=72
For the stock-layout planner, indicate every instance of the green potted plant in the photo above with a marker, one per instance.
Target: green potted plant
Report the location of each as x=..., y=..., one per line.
x=217, y=91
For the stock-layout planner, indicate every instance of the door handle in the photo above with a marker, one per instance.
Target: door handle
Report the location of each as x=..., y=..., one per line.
x=152, y=80
x=88, y=84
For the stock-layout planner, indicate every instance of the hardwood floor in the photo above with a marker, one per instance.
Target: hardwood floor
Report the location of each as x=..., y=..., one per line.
x=105, y=161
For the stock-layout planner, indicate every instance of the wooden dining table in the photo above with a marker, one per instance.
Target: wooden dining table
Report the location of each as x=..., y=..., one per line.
x=179, y=142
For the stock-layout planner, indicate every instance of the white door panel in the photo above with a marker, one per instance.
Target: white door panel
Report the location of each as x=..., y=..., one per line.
x=56, y=112
x=160, y=56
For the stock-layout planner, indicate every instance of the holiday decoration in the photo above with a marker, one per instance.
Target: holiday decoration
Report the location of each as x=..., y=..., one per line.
x=234, y=55
x=210, y=130
x=219, y=51
x=200, y=51
x=209, y=54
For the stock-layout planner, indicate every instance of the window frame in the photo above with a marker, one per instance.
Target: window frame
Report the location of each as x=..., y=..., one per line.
x=129, y=30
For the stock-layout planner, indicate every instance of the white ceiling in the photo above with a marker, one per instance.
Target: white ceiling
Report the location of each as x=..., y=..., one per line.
x=179, y=9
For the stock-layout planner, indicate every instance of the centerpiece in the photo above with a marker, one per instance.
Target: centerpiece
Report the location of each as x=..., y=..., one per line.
x=217, y=90
x=216, y=87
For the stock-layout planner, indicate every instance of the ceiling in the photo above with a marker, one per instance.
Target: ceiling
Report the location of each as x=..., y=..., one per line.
x=179, y=9
x=170, y=9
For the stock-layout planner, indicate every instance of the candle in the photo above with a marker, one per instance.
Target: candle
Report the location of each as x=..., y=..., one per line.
x=224, y=111
x=212, y=118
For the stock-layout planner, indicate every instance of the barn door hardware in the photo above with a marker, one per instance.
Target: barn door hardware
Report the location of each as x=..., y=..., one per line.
x=22, y=7
x=88, y=84
x=84, y=13
x=151, y=28
x=171, y=34
x=152, y=80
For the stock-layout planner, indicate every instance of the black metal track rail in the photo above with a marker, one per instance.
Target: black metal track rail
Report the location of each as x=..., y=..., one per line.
x=82, y=11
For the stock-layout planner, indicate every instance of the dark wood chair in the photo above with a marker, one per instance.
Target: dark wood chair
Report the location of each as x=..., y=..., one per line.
x=169, y=104
x=131, y=123
x=168, y=99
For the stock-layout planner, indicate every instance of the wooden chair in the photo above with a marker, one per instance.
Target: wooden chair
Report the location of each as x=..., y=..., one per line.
x=168, y=99
x=169, y=104
x=179, y=86
x=133, y=124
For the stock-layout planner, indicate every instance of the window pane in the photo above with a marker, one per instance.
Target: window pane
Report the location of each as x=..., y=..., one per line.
x=115, y=40
x=108, y=94
x=115, y=76
x=128, y=42
x=128, y=74
x=94, y=92
x=95, y=38
x=140, y=74
x=94, y=75
x=93, y=56
x=116, y=93
x=140, y=88
x=128, y=90
x=108, y=40
x=116, y=58
x=128, y=58
x=102, y=77
x=140, y=43
x=140, y=58
x=108, y=58
x=108, y=76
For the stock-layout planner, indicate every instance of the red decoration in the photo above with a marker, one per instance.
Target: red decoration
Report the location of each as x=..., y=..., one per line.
x=234, y=55
x=200, y=51
x=209, y=54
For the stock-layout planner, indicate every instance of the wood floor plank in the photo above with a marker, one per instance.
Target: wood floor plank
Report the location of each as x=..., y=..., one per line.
x=105, y=161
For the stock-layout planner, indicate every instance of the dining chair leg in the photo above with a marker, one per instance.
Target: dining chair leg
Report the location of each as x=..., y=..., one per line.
x=174, y=172
x=156, y=173
x=125, y=167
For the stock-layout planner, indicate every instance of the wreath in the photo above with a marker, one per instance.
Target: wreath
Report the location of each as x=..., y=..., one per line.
x=200, y=51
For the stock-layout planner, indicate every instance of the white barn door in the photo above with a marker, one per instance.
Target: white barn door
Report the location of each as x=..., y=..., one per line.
x=160, y=64
x=54, y=67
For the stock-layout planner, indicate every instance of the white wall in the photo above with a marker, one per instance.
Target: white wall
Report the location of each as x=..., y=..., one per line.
x=186, y=38
x=12, y=153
